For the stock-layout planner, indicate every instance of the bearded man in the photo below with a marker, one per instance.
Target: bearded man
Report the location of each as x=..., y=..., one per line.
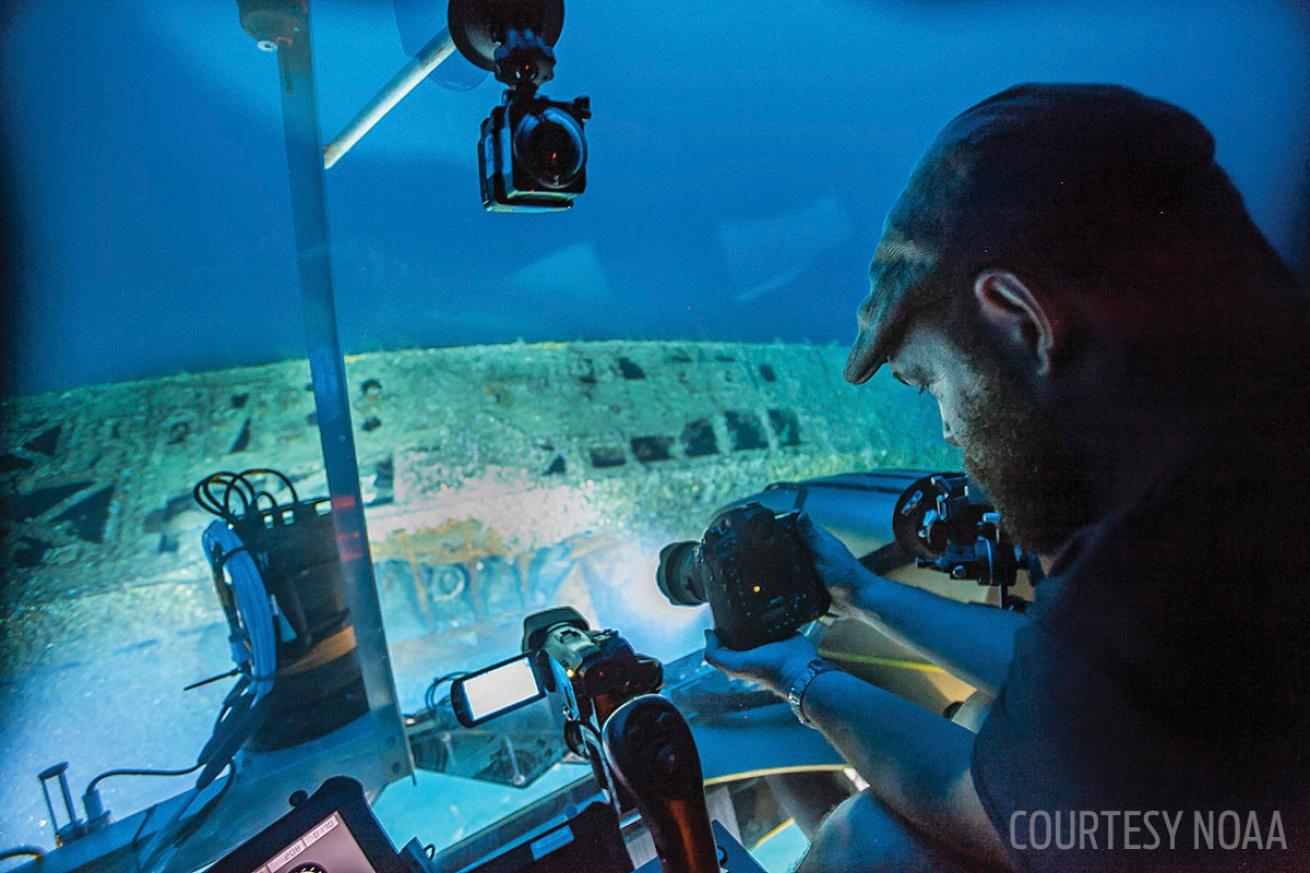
x=1122, y=358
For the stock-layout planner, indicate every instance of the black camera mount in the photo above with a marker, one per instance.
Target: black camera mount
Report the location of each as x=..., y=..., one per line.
x=532, y=155
x=513, y=38
x=946, y=524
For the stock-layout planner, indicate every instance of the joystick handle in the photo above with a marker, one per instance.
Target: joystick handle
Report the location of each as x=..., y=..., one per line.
x=652, y=754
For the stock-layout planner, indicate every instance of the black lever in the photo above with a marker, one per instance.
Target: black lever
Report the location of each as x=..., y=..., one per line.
x=652, y=754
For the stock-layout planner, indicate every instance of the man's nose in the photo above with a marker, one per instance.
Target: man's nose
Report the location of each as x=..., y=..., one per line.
x=948, y=436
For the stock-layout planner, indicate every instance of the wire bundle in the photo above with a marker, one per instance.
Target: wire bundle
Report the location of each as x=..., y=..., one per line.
x=253, y=641
x=240, y=487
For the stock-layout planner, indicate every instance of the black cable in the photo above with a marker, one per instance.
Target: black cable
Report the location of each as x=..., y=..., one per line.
x=204, y=495
x=193, y=824
x=430, y=695
x=143, y=771
x=222, y=560
x=200, y=497
x=232, y=488
x=273, y=506
x=188, y=827
x=22, y=852
x=286, y=480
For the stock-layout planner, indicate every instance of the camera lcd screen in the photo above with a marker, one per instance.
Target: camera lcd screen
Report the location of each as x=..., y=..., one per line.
x=327, y=847
x=500, y=688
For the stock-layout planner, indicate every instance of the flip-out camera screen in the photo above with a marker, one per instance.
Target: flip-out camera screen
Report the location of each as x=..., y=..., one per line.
x=500, y=688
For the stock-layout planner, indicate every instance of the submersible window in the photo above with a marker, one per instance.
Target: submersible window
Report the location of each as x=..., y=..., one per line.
x=630, y=370
x=607, y=456
x=29, y=506
x=651, y=448
x=44, y=443
x=11, y=462
x=785, y=427
x=767, y=372
x=89, y=515
x=698, y=439
x=746, y=431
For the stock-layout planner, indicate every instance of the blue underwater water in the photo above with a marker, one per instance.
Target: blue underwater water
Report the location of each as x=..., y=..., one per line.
x=743, y=156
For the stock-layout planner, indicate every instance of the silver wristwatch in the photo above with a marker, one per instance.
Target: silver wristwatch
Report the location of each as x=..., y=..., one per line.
x=796, y=694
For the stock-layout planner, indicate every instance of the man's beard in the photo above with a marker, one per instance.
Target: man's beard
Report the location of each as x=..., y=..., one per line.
x=1041, y=486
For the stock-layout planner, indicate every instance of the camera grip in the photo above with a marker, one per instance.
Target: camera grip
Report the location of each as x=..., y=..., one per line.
x=652, y=754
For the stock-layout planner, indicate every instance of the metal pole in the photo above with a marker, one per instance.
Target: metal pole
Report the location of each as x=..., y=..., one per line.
x=416, y=70
x=331, y=396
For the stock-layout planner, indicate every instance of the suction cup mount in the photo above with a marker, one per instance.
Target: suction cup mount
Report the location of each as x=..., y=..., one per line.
x=511, y=38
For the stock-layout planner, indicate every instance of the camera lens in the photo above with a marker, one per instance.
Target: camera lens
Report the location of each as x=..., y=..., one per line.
x=679, y=574
x=550, y=146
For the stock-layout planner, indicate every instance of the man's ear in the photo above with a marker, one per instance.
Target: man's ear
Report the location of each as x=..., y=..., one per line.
x=1010, y=307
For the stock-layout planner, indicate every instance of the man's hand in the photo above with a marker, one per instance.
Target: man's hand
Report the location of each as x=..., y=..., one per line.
x=847, y=580
x=773, y=665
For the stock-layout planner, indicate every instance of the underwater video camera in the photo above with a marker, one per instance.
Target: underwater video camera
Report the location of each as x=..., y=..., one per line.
x=946, y=523
x=532, y=155
x=640, y=747
x=754, y=571
x=596, y=671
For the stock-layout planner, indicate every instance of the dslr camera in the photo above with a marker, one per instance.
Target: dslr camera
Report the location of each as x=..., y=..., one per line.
x=753, y=570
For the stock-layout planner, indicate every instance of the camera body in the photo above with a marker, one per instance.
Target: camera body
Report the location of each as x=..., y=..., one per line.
x=532, y=156
x=597, y=670
x=754, y=571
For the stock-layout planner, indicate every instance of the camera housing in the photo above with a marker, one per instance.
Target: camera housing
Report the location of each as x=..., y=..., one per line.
x=532, y=156
x=754, y=571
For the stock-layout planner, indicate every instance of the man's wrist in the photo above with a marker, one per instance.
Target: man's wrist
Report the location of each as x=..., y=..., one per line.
x=791, y=672
x=800, y=683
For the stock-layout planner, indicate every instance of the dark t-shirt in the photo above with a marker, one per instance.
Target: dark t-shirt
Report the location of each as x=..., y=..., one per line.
x=1164, y=669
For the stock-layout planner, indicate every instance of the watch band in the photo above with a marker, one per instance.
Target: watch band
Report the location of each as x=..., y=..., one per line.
x=796, y=694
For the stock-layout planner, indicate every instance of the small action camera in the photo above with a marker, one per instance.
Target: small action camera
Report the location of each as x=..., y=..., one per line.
x=533, y=154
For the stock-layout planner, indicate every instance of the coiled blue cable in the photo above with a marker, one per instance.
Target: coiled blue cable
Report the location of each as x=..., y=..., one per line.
x=253, y=606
